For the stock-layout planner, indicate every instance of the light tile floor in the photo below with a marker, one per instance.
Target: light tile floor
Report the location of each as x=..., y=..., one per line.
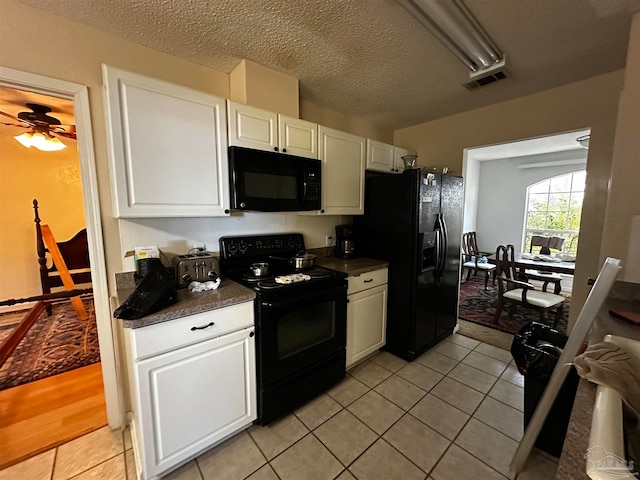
x=454, y=413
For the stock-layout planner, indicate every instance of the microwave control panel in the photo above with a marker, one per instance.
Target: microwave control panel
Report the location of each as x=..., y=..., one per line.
x=313, y=187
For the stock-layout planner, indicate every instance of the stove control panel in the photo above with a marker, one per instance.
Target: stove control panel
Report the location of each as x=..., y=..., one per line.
x=257, y=245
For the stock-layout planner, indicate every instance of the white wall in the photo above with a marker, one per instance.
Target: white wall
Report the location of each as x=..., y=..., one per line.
x=178, y=235
x=502, y=196
x=624, y=197
x=471, y=173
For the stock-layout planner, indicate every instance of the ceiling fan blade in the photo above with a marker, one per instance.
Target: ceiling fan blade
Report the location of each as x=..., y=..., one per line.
x=16, y=119
x=68, y=131
x=70, y=135
x=15, y=125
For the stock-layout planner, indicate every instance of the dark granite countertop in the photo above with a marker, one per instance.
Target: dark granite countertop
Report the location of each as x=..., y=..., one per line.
x=229, y=293
x=353, y=266
x=572, y=465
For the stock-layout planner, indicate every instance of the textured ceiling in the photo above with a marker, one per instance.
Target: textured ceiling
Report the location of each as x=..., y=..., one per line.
x=370, y=58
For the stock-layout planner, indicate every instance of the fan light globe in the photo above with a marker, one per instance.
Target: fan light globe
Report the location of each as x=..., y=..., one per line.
x=40, y=141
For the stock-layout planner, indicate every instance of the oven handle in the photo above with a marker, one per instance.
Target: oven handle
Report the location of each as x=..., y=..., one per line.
x=304, y=298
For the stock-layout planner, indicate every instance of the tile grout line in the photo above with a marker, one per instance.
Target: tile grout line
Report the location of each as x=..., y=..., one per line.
x=430, y=428
x=468, y=419
x=53, y=466
x=381, y=436
x=124, y=454
x=198, y=464
x=96, y=465
x=453, y=442
x=489, y=426
x=407, y=412
x=345, y=467
x=268, y=462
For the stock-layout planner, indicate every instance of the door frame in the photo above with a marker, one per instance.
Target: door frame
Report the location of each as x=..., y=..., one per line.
x=79, y=95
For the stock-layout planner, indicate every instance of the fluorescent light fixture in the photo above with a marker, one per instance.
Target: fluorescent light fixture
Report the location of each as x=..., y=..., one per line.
x=584, y=141
x=451, y=22
x=554, y=163
x=41, y=140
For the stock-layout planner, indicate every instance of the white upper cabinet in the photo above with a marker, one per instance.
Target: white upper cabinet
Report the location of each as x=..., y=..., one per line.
x=298, y=137
x=263, y=130
x=252, y=127
x=343, y=162
x=167, y=148
x=384, y=157
x=380, y=156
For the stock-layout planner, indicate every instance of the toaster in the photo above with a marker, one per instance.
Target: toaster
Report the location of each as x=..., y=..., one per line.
x=198, y=267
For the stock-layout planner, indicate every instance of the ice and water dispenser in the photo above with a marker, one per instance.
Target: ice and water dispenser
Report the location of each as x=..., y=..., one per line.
x=429, y=251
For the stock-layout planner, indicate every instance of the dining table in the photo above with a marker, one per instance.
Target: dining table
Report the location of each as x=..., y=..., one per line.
x=540, y=263
x=537, y=262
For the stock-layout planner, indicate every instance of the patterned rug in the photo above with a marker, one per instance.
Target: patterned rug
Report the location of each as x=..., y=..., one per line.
x=478, y=305
x=54, y=344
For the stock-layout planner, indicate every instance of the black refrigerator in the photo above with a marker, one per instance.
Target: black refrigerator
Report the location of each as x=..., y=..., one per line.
x=414, y=221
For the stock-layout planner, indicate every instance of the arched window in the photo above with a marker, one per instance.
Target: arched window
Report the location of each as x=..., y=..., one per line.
x=554, y=207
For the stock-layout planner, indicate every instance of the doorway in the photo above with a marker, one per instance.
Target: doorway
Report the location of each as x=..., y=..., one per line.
x=78, y=95
x=502, y=207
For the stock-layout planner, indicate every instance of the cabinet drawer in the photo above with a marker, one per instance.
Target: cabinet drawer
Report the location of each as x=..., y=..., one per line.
x=363, y=281
x=166, y=336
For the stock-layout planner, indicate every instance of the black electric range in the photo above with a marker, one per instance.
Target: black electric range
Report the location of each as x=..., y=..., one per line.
x=300, y=326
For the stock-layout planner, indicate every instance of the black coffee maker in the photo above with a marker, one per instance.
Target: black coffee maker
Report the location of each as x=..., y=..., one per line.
x=346, y=241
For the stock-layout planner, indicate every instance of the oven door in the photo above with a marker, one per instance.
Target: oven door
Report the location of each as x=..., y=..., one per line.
x=295, y=333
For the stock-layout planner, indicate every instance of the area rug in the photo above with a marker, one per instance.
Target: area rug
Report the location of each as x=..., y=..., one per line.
x=54, y=345
x=478, y=305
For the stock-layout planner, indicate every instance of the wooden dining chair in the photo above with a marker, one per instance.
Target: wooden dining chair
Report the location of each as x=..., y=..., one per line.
x=513, y=289
x=472, y=259
x=546, y=244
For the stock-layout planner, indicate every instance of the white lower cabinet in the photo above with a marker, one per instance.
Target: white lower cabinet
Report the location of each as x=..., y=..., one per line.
x=186, y=400
x=366, y=315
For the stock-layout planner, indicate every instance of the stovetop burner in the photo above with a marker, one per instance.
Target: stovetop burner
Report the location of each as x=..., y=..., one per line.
x=250, y=278
x=237, y=254
x=268, y=282
x=318, y=273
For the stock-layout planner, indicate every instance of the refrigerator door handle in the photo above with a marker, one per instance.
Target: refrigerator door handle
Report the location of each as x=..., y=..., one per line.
x=442, y=250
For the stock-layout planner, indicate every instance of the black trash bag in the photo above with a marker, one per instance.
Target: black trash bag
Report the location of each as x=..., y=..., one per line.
x=155, y=290
x=536, y=349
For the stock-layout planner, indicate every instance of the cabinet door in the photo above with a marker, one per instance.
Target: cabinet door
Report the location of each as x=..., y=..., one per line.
x=167, y=148
x=366, y=323
x=380, y=156
x=298, y=137
x=398, y=163
x=195, y=396
x=252, y=127
x=343, y=161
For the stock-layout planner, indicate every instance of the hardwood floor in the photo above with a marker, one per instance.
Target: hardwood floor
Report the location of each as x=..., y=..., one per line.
x=40, y=415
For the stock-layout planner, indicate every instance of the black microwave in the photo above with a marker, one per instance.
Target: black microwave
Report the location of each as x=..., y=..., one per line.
x=264, y=181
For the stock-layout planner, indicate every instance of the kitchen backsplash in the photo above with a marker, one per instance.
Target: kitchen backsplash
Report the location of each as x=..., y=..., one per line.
x=178, y=235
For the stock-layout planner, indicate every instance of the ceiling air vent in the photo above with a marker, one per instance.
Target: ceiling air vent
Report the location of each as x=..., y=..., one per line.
x=487, y=76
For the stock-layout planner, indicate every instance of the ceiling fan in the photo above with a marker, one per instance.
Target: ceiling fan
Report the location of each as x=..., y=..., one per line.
x=43, y=128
